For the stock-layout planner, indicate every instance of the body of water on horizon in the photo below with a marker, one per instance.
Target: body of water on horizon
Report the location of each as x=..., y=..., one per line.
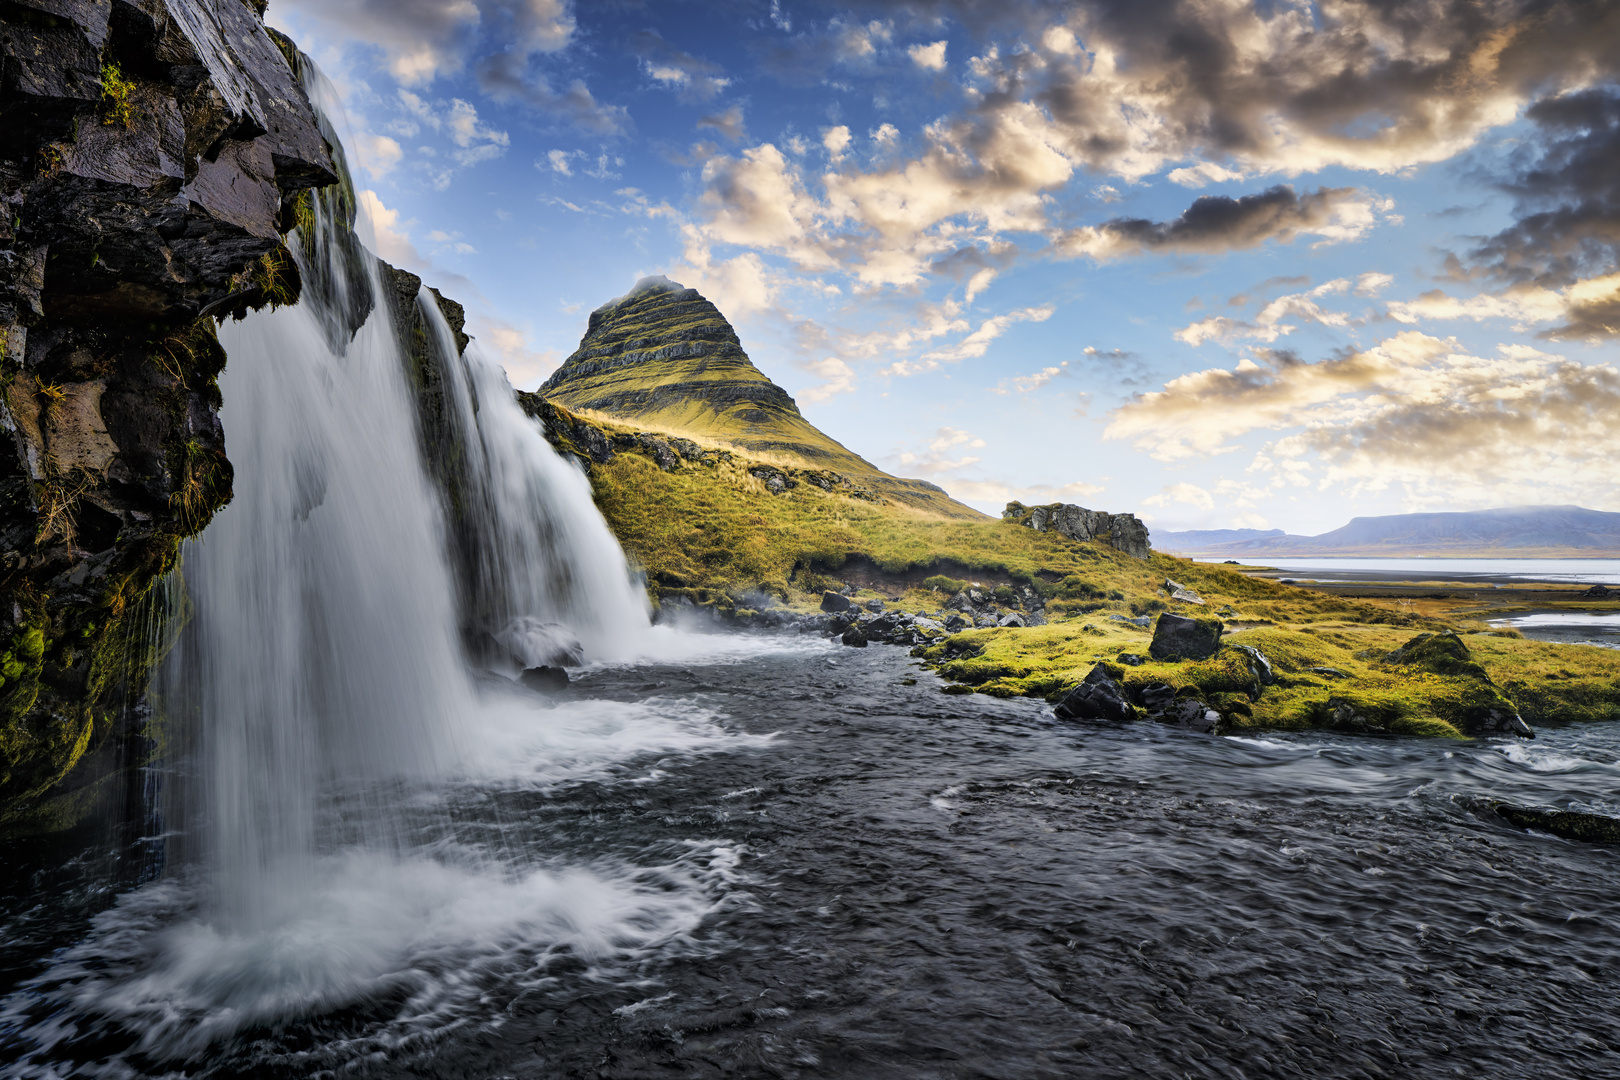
x=1483, y=571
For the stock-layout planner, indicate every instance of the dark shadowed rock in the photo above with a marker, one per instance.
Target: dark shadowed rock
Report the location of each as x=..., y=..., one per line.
x=1570, y=824
x=1098, y=697
x=1176, y=637
x=152, y=153
x=832, y=601
x=1157, y=698
x=854, y=636
x=1345, y=715
x=1193, y=715
x=545, y=679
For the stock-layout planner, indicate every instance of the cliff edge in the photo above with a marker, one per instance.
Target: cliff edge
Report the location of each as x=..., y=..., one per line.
x=152, y=154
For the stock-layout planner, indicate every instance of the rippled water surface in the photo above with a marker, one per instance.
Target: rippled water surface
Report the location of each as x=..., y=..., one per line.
x=782, y=861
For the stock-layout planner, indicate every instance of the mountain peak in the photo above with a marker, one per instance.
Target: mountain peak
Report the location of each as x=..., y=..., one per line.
x=663, y=357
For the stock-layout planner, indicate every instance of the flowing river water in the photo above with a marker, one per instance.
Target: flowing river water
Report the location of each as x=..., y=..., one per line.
x=773, y=857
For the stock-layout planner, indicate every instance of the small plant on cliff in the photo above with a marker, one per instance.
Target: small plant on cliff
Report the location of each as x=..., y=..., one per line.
x=59, y=497
x=276, y=277
x=195, y=499
x=115, y=90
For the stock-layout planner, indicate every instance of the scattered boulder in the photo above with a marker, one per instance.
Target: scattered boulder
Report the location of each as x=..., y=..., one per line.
x=832, y=601
x=1177, y=637
x=545, y=679
x=1011, y=619
x=776, y=482
x=1130, y=659
x=1495, y=720
x=874, y=605
x=1193, y=715
x=1157, y=697
x=1143, y=621
x=1181, y=593
x=1098, y=697
x=1345, y=715
x=854, y=636
x=1259, y=664
x=1601, y=592
x=1570, y=824
x=1329, y=672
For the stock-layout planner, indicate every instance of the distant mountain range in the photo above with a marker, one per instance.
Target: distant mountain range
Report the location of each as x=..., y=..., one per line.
x=1511, y=532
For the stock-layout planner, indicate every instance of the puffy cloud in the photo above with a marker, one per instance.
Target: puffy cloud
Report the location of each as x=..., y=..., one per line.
x=1189, y=494
x=558, y=160
x=1268, y=325
x=1587, y=309
x=1373, y=283
x=837, y=378
x=475, y=141
x=976, y=343
x=422, y=40
x=526, y=367
x=1413, y=410
x=997, y=493
x=1023, y=384
x=505, y=76
x=1216, y=223
x=693, y=78
x=928, y=57
x=728, y=122
x=938, y=458
x=836, y=140
x=390, y=238
x=378, y=154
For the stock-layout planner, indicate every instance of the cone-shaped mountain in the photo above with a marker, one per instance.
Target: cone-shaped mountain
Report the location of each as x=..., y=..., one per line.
x=664, y=357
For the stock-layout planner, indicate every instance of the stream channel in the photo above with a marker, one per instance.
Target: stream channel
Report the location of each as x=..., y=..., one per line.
x=772, y=857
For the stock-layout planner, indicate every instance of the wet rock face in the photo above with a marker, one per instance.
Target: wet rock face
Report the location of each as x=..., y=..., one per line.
x=1098, y=697
x=1124, y=532
x=151, y=153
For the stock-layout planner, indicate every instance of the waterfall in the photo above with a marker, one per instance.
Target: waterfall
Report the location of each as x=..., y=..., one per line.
x=334, y=601
x=346, y=811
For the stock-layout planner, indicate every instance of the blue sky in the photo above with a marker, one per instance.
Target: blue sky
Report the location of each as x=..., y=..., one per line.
x=1221, y=264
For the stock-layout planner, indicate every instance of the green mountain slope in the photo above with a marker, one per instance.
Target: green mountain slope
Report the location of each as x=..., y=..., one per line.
x=662, y=357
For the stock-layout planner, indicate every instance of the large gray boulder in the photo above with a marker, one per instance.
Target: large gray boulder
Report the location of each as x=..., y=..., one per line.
x=1122, y=531
x=1176, y=637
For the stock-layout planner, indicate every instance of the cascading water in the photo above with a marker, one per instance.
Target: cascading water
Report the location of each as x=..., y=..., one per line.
x=322, y=726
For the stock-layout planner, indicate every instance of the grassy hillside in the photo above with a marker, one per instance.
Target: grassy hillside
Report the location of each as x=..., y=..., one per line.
x=664, y=359
x=706, y=525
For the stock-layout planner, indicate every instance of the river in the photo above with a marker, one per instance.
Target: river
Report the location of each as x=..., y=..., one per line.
x=774, y=857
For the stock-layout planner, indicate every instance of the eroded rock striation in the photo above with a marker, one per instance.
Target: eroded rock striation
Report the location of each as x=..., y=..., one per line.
x=152, y=153
x=1122, y=531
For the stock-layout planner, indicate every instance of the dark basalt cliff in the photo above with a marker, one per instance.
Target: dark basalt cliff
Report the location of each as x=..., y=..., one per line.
x=152, y=153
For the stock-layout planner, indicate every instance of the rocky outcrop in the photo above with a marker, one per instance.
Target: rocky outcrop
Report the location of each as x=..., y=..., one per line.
x=1122, y=531
x=1098, y=697
x=152, y=152
x=1569, y=824
x=1176, y=637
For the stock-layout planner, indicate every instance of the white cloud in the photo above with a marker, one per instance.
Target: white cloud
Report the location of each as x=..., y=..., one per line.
x=1205, y=172
x=836, y=140
x=1268, y=325
x=526, y=367
x=837, y=378
x=1189, y=494
x=390, y=238
x=928, y=57
x=558, y=160
x=378, y=154
x=1023, y=384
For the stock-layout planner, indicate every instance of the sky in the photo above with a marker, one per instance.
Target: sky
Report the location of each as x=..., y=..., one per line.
x=1219, y=264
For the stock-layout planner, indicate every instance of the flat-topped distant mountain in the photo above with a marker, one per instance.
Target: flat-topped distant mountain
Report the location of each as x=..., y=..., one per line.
x=664, y=358
x=1510, y=532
